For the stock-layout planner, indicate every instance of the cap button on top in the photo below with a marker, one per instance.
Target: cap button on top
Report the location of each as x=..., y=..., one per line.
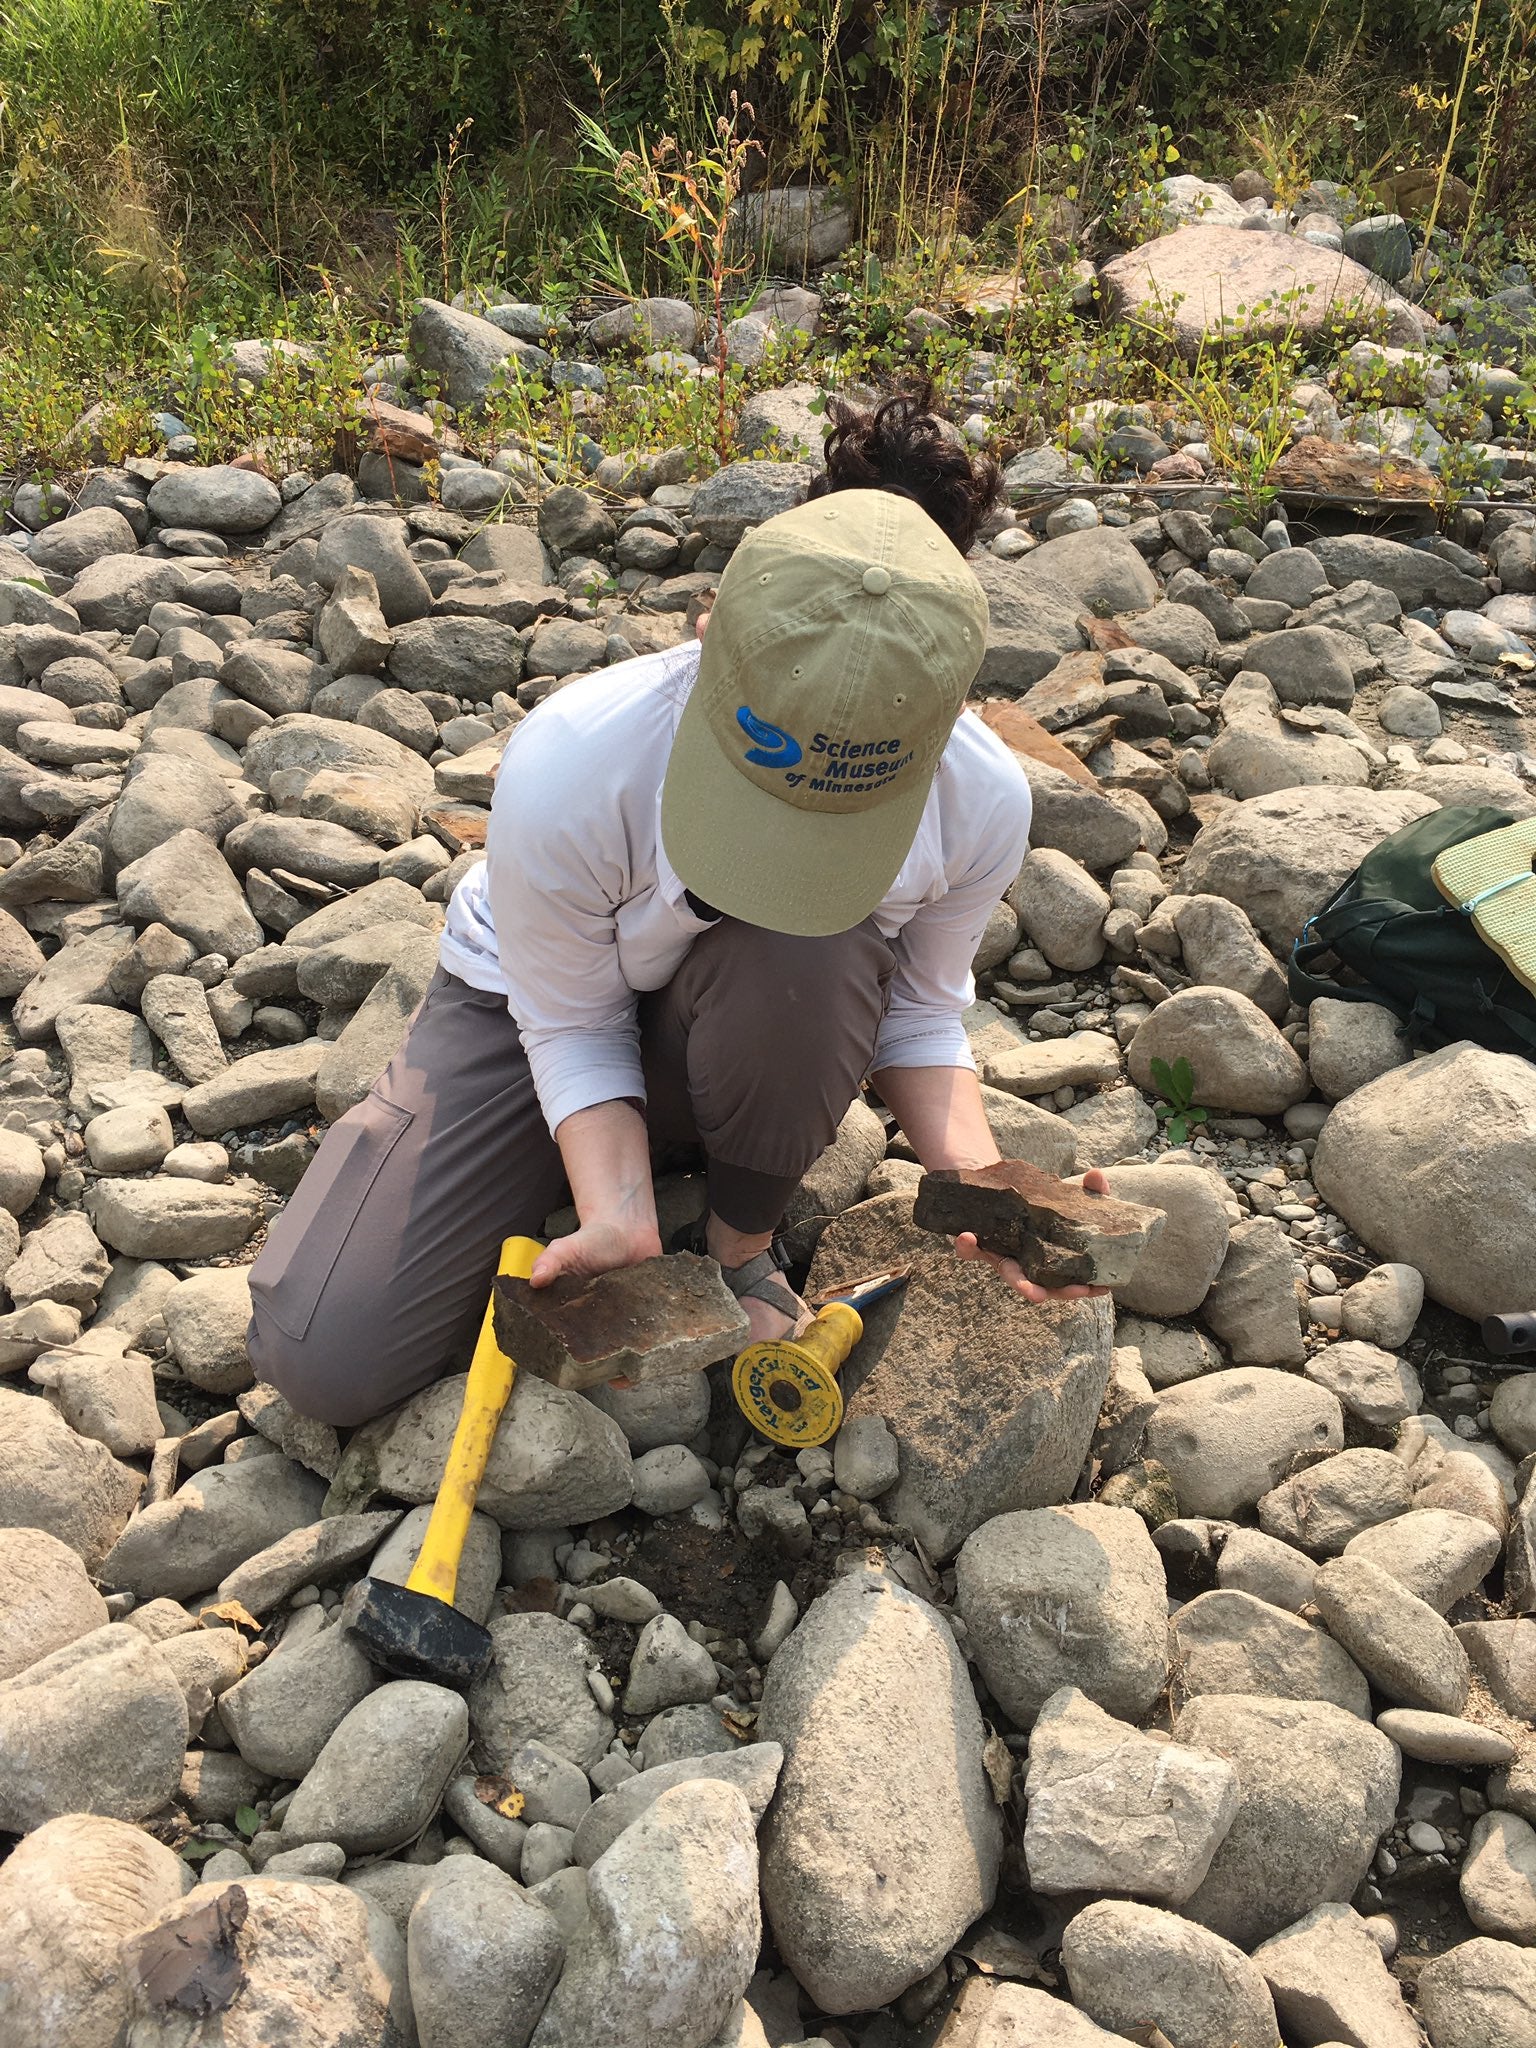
x=877, y=581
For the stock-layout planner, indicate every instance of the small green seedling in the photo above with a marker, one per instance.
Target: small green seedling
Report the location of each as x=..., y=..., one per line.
x=248, y=1821
x=1178, y=1108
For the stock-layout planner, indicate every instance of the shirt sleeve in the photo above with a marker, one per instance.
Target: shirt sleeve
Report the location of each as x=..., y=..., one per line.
x=557, y=868
x=933, y=984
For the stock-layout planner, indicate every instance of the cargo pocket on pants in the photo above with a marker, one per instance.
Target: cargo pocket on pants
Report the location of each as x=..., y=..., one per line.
x=307, y=1239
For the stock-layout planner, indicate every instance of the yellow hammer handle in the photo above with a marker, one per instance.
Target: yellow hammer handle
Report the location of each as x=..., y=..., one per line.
x=491, y=1372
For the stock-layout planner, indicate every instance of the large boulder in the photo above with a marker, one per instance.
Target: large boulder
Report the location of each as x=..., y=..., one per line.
x=555, y=1457
x=282, y=1714
x=381, y=1775
x=376, y=547
x=1238, y=1058
x=46, y=1599
x=796, y=229
x=883, y=1749
x=219, y=499
x=1414, y=575
x=537, y=1688
x=74, y=543
x=67, y=1485
x=1111, y=1809
x=1329, y=1979
x=1281, y=857
x=375, y=1031
x=1252, y=1305
x=1438, y=1554
x=309, y=743
x=744, y=494
x=206, y=1316
x=1174, y=1273
x=1411, y=1654
x=483, y=1957
x=1105, y=570
x=1066, y=1596
x=117, y=592
x=468, y=355
x=1317, y=1791
x=782, y=422
x=992, y=2013
x=97, y=1727
x=171, y=1218
x=311, y=1964
x=70, y=1894
x=1204, y=283
x=1228, y=1438
x=186, y=883
x=1034, y=622
x=1481, y=1994
x=672, y=1931
x=1078, y=818
x=1434, y=1166
x=1260, y=754
x=212, y=1523
x=992, y=1399
x=1229, y=1641
x=1129, y=1965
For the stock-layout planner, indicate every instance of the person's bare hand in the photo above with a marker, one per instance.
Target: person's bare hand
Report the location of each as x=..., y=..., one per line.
x=967, y=1248
x=597, y=1247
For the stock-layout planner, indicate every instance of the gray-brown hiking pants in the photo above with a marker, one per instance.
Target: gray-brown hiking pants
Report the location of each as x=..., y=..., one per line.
x=373, y=1280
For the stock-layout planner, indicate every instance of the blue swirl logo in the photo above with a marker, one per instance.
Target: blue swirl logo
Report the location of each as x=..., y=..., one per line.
x=771, y=747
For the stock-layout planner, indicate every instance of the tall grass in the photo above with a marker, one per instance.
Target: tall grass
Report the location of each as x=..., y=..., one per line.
x=175, y=173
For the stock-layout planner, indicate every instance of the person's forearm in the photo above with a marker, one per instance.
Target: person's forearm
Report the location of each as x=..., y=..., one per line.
x=608, y=1164
x=940, y=1110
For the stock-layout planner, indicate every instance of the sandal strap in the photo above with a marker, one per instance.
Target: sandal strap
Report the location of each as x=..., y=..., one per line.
x=758, y=1274
x=760, y=1277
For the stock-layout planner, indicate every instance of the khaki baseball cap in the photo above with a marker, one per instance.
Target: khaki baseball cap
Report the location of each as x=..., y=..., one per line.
x=845, y=637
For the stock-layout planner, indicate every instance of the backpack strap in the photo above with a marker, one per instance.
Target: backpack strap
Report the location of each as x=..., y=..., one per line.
x=1514, y=1021
x=1306, y=987
x=1307, y=951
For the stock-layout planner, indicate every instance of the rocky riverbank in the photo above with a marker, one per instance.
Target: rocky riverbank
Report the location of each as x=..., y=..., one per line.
x=1166, y=1667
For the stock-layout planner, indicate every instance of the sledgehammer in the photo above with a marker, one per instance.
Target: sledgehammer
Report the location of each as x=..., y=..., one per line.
x=414, y=1630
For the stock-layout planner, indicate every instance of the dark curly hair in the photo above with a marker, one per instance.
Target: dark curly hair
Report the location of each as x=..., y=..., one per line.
x=904, y=447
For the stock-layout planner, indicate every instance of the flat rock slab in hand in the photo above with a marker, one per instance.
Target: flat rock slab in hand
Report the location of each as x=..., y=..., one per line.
x=669, y=1315
x=1061, y=1235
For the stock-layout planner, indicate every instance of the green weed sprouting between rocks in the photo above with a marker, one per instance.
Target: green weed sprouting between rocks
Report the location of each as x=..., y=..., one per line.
x=1178, y=1108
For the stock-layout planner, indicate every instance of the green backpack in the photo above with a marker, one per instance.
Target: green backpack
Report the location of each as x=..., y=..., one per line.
x=1408, y=949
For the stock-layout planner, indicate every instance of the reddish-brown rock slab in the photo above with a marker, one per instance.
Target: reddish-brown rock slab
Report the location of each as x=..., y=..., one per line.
x=1062, y=1236
x=668, y=1315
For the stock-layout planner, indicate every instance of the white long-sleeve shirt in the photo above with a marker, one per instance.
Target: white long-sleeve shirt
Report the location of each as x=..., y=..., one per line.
x=575, y=911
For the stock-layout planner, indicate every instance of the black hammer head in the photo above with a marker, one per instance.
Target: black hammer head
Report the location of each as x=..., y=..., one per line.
x=413, y=1635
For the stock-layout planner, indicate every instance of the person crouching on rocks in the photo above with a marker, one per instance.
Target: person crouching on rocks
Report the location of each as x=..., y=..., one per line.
x=723, y=884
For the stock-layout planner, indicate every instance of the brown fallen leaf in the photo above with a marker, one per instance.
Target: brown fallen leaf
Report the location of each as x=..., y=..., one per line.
x=998, y=1954
x=193, y=1964
x=501, y=1796
x=232, y=1613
